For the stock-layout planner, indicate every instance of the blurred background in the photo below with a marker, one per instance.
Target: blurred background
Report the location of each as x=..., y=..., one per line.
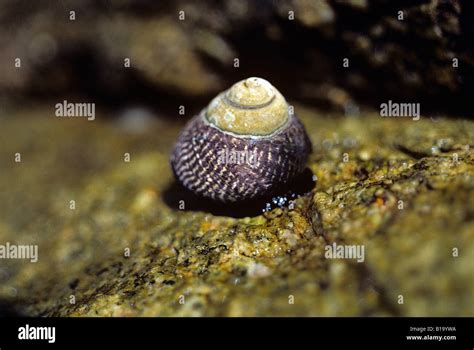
x=298, y=45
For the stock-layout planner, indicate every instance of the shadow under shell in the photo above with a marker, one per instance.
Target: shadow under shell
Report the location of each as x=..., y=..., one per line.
x=281, y=197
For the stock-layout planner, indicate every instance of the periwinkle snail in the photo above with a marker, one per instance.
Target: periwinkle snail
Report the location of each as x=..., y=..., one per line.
x=242, y=146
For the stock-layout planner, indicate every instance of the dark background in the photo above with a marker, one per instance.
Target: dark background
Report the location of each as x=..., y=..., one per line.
x=187, y=62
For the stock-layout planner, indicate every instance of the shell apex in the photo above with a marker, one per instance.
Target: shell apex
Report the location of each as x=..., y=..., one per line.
x=250, y=107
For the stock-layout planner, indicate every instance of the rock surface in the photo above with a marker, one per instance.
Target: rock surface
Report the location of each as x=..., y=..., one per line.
x=403, y=189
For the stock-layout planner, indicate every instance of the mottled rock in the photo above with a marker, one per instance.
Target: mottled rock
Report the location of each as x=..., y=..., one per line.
x=126, y=251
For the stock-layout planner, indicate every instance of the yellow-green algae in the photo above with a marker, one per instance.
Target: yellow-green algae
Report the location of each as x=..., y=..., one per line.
x=225, y=266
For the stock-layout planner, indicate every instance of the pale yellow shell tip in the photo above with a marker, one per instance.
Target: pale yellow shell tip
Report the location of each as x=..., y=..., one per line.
x=250, y=107
x=257, y=83
x=251, y=92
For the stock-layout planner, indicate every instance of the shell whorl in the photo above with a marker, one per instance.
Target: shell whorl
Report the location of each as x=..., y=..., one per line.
x=251, y=107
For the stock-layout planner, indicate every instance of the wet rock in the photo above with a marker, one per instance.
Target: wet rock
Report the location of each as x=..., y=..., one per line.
x=125, y=251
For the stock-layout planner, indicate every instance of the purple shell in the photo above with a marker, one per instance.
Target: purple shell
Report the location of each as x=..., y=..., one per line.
x=229, y=168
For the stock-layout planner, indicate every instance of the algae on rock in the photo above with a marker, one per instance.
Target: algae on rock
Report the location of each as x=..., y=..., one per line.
x=401, y=188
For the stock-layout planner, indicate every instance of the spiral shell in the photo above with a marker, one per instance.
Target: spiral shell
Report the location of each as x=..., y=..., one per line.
x=242, y=146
